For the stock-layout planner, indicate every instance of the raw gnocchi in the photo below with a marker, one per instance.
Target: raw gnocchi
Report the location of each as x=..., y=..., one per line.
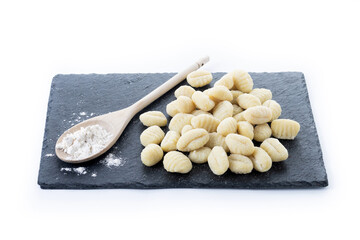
x=262, y=93
x=242, y=81
x=199, y=78
x=179, y=121
x=207, y=122
x=261, y=160
x=262, y=132
x=184, y=91
x=245, y=129
x=216, y=139
x=152, y=118
x=275, y=108
x=152, y=134
x=240, y=117
x=227, y=126
x=199, y=112
x=202, y=101
x=170, y=140
x=223, y=110
x=240, y=164
x=192, y=140
x=285, y=128
x=218, y=161
x=151, y=155
x=200, y=155
x=172, y=109
x=236, y=109
x=275, y=149
x=235, y=94
x=186, y=128
x=177, y=162
x=226, y=81
x=185, y=104
x=258, y=115
x=246, y=101
x=239, y=144
x=220, y=93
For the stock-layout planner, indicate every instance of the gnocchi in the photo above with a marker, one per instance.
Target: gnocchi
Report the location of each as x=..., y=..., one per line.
x=184, y=91
x=192, y=140
x=223, y=110
x=275, y=149
x=199, y=112
x=172, y=109
x=262, y=93
x=207, y=122
x=226, y=81
x=151, y=155
x=177, y=162
x=235, y=94
x=199, y=78
x=170, y=140
x=242, y=81
x=236, y=109
x=220, y=93
x=246, y=101
x=240, y=164
x=245, y=129
x=239, y=144
x=227, y=126
x=216, y=139
x=152, y=134
x=179, y=121
x=285, y=128
x=258, y=115
x=240, y=117
x=202, y=101
x=200, y=155
x=261, y=160
x=275, y=109
x=262, y=132
x=218, y=161
x=186, y=128
x=152, y=118
x=185, y=104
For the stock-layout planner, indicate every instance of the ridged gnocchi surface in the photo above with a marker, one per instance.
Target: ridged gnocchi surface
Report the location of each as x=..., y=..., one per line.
x=199, y=78
x=235, y=94
x=200, y=155
x=285, y=128
x=261, y=160
x=179, y=121
x=218, y=161
x=185, y=104
x=171, y=108
x=184, y=91
x=262, y=132
x=240, y=116
x=246, y=101
x=258, y=115
x=202, y=101
x=220, y=93
x=170, y=140
x=242, y=81
x=207, y=122
x=240, y=164
x=152, y=134
x=275, y=149
x=216, y=139
x=186, y=128
x=236, y=109
x=275, y=108
x=239, y=144
x=153, y=118
x=177, y=162
x=222, y=110
x=245, y=129
x=227, y=126
x=262, y=93
x=226, y=81
x=151, y=155
x=199, y=112
x=193, y=139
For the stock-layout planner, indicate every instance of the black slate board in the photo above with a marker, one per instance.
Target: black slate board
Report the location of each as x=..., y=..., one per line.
x=74, y=98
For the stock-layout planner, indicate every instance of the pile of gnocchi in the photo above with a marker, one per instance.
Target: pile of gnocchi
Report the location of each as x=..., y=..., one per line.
x=218, y=126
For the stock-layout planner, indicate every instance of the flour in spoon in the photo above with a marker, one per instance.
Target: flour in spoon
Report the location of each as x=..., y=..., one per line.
x=85, y=142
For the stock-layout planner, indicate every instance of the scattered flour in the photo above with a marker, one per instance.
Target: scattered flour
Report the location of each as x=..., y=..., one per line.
x=78, y=170
x=111, y=160
x=49, y=155
x=94, y=174
x=85, y=142
x=82, y=113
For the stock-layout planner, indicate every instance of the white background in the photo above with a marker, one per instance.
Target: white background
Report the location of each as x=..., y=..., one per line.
x=39, y=39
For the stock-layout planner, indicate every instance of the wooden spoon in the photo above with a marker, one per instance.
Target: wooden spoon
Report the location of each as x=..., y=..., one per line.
x=115, y=122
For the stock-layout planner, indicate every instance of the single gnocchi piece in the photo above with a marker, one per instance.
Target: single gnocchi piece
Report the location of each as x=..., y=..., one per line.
x=151, y=155
x=207, y=122
x=246, y=101
x=262, y=93
x=227, y=126
x=179, y=121
x=184, y=91
x=258, y=115
x=275, y=149
x=275, y=108
x=285, y=128
x=186, y=128
x=218, y=161
x=192, y=140
x=240, y=117
x=202, y=101
x=239, y=144
x=200, y=155
x=216, y=139
x=152, y=134
x=153, y=118
x=226, y=81
x=240, y=164
x=199, y=112
x=236, y=94
x=236, y=109
x=220, y=93
x=199, y=78
x=171, y=108
x=185, y=104
x=245, y=129
x=175, y=161
x=223, y=110
x=242, y=81
x=262, y=132
x=261, y=160
x=170, y=140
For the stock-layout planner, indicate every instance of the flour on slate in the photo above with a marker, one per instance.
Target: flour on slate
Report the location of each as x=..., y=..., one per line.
x=111, y=160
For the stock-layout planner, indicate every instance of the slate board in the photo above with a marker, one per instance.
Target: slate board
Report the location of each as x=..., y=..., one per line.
x=74, y=98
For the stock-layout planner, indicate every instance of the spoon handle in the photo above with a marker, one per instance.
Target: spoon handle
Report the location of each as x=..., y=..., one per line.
x=169, y=84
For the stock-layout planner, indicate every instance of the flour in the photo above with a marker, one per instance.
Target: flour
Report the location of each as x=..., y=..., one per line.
x=78, y=170
x=111, y=160
x=85, y=142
